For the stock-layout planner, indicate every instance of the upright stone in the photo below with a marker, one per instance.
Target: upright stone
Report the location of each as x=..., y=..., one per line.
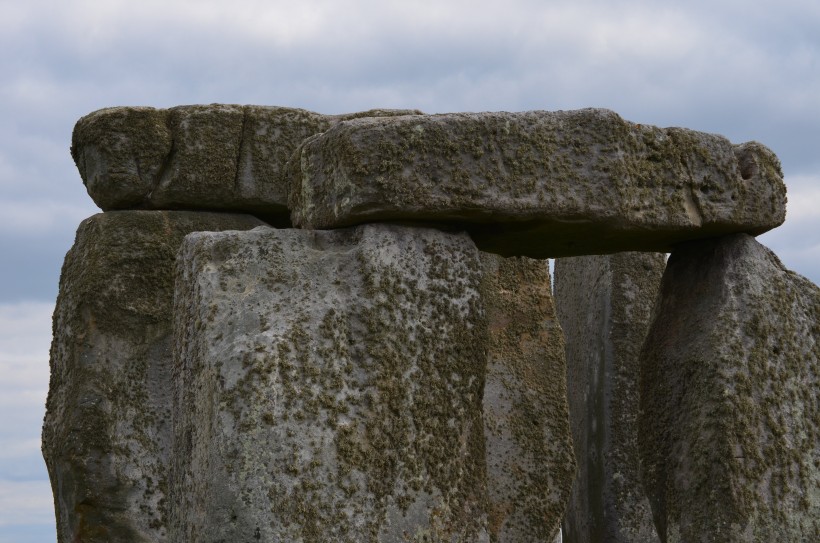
x=539, y=184
x=529, y=458
x=204, y=157
x=331, y=387
x=106, y=436
x=604, y=306
x=730, y=424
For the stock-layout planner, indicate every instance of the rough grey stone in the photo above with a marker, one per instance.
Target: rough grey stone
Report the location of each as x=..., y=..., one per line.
x=107, y=429
x=604, y=306
x=730, y=424
x=530, y=465
x=539, y=184
x=330, y=387
x=217, y=157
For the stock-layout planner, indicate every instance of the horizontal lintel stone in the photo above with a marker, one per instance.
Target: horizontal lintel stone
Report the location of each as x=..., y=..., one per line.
x=200, y=157
x=539, y=184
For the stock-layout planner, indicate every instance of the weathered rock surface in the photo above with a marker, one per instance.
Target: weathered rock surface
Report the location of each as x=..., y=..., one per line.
x=730, y=425
x=215, y=157
x=330, y=387
x=539, y=184
x=529, y=458
x=604, y=306
x=107, y=429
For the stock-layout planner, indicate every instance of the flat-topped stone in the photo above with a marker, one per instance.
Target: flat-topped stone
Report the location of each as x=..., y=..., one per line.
x=539, y=183
x=213, y=157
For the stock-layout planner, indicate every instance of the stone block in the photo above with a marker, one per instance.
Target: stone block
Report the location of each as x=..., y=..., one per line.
x=330, y=386
x=730, y=412
x=107, y=430
x=530, y=465
x=604, y=307
x=214, y=157
x=538, y=184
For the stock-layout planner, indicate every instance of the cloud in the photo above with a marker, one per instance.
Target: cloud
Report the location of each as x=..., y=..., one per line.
x=26, y=502
x=796, y=242
x=25, y=339
x=803, y=198
x=25, y=336
x=34, y=218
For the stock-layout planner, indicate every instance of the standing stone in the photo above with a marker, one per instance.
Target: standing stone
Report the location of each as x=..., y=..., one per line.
x=730, y=423
x=529, y=458
x=216, y=157
x=604, y=305
x=539, y=184
x=107, y=429
x=330, y=386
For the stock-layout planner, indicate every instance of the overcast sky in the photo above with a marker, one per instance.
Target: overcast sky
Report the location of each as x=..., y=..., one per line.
x=747, y=70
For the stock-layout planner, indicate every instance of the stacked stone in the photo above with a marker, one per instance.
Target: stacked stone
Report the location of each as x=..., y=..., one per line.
x=377, y=374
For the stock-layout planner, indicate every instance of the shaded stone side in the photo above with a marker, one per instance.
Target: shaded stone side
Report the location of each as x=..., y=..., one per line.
x=730, y=424
x=206, y=157
x=539, y=184
x=329, y=387
x=106, y=435
x=530, y=465
x=604, y=306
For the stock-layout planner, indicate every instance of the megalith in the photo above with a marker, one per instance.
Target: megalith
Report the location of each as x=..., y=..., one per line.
x=394, y=369
x=604, y=306
x=730, y=373
x=539, y=184
x=330, y=386
x=107, y=429
x=207, y=157
x=529, y=458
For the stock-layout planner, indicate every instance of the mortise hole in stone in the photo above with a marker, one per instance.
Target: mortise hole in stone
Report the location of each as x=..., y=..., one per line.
x=748, y=167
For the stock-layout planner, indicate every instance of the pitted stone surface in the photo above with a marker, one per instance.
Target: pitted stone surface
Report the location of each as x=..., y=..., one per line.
x=107, y=430
x=529, y=458
x=604, y=306
x=730, y=425
x=215, y=157
x=329, y=387
x=538, y=184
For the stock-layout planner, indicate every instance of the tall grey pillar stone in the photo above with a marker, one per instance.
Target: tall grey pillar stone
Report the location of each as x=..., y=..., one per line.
x=107, y=430
x=730, y=425
x=530, y=465
x=604, y=306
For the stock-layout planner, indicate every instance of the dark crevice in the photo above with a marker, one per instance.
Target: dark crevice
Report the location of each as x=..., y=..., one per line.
x=165, y=167
x=239, y=150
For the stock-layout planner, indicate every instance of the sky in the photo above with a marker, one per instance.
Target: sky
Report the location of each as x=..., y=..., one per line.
x=746, y=70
